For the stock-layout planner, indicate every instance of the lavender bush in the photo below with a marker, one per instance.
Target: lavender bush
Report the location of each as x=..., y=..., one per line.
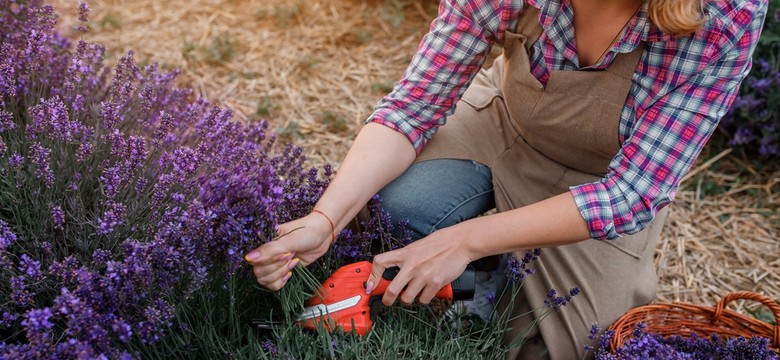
x=126, y=205
x=120, y=196
x=753, y=122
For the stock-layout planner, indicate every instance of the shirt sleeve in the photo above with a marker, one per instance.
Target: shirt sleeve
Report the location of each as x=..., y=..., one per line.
x=446, y=61
x=666, y=139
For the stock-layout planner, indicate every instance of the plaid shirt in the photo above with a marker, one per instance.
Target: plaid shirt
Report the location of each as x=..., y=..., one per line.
x=681, y=88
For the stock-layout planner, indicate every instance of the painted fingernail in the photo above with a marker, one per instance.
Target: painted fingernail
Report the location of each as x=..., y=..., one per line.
x=287, y=277
x=252, y=256
x=292, y=263
x=286, y=256
x=369, y=287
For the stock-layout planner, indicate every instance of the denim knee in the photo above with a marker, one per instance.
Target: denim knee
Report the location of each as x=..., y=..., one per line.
x=434, y=194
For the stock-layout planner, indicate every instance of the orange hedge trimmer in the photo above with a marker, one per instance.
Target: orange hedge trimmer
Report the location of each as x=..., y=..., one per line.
x=342, y=302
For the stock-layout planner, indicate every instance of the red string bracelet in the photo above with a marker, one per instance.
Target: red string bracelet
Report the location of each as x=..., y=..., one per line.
x=332, y=227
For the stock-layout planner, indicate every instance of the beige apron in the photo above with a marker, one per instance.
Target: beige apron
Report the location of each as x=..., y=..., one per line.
x=539, y=140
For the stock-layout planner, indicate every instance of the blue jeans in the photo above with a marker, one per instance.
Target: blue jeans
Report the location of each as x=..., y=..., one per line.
x=435, y=194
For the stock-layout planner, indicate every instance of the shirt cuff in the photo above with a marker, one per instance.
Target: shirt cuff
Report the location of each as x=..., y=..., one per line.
x=416, y=137
x=595, y=206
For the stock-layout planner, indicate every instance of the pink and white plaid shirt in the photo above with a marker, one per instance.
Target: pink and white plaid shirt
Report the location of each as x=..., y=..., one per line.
x=681, y=89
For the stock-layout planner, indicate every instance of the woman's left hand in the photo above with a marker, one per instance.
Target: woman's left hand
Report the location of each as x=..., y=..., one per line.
x=426, y=266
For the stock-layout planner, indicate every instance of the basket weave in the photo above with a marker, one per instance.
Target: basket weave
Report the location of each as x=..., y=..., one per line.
x=686, y=319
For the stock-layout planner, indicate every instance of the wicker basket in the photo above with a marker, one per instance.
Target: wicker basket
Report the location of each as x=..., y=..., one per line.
x=686, y=319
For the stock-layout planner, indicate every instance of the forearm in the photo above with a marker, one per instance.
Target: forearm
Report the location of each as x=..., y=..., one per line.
x=378, y=156
x=552, y=222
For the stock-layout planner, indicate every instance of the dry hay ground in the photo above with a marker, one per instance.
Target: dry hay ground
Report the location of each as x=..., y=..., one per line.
x=315, y=68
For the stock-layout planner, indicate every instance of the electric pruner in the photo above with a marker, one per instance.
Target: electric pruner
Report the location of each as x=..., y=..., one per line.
x=343, y=302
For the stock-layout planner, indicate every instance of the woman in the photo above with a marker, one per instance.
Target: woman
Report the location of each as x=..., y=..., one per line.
x=579, y=136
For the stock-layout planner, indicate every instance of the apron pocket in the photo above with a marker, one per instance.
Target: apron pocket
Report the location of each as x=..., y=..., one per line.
x=479, y=97
x=632, y=245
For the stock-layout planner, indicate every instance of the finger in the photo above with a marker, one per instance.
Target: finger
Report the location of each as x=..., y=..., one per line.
x=378, y=266
x=396, y=287
x=279, y=284
x=269, y=274
x=430, y=291
x=269, y=253
x=412, y=290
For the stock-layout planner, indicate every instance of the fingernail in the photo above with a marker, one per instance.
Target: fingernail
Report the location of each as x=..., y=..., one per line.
x=292, y=263
x=252, y=256
x=369, y=287
x=287, y=277
x=286, y=256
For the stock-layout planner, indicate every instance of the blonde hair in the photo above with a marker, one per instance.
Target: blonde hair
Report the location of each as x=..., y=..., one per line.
x=677, y=17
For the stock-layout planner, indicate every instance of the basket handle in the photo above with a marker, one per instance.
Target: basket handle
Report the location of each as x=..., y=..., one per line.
x=748, y=295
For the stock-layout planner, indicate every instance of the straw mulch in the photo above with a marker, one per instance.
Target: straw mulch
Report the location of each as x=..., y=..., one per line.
x=315, y=68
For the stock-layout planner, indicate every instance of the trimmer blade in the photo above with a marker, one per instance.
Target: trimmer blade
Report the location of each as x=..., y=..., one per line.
x=266, y=323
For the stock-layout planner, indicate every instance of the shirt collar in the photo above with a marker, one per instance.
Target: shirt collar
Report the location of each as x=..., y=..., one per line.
x=639, y=29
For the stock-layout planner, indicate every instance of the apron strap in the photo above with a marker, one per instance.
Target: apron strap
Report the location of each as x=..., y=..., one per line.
x=529, y=26
x=624, y=65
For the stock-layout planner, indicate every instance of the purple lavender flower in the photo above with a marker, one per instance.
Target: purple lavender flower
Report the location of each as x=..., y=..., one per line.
x=164, y=128
x=30, y=267
x=761, y=85
x=40, y=157
x=8, y=319
x=491, y=297
x=594, y=331
x=83, y=12
x=73, y=183
x=7, y=237
x=15, y=161
x=59, y=217
x=20, y=295
x=157, y=318
x=112, y=180
x=109, y=114
x=84, y=152
x=592, y=335
x=112, y=217
x=517, y=270
x=269, y=347
x=555, y=302
x=7, y=71
x=136, y=154
x=51, y=118
x=101, y=257
x=123, y=330
x=38, y=320
x=6, y=121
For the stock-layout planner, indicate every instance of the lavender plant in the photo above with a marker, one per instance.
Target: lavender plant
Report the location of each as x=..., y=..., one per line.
x=753, y=122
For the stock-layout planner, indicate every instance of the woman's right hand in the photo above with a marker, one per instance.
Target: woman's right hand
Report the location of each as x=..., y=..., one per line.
x=378, y=155
x=300, y=241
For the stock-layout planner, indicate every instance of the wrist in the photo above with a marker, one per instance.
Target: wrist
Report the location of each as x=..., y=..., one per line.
x=331, y=226
x=465, y=238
